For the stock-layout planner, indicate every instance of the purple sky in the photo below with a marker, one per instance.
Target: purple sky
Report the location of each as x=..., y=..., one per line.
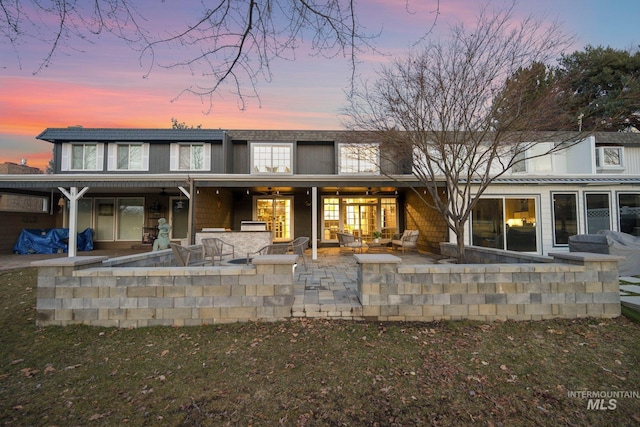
x=102, y=84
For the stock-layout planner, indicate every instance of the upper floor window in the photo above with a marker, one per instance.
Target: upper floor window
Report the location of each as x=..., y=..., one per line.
x=610, y=157
x=82, y=157
x=359, y=158
x=520, y=163
x=128, y=156
x=271, y=158
x=194, y=157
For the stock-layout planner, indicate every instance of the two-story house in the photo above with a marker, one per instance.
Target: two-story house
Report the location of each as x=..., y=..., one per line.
x=316, y=183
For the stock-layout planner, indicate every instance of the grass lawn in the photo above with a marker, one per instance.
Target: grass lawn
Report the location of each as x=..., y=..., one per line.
x=312, y=373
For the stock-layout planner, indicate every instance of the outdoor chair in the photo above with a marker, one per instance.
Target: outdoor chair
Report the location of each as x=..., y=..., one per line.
x=408, y=240
x=183, y=255
x=349, y=242
x=298, y=247
x=273, y=249
x=217, y=248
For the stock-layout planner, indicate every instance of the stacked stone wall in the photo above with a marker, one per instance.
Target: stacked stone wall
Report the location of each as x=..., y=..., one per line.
x=576, y=285
x=80, y=290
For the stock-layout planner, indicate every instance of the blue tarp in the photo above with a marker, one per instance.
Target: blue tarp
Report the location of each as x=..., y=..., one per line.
x=50, y=241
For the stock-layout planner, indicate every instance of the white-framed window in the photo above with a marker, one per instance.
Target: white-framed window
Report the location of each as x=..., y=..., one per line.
x=270, y=158
x=124, y=157
x=610, y=158
x=118, y=219
x=521, y=165
x=597, y=211
x=190, y=157
x=82, y=156
x=565, y=217
x=505, y=223
x=629, y=213
x=362, y=158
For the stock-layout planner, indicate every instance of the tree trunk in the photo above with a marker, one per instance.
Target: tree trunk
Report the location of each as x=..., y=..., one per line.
x=460, y=244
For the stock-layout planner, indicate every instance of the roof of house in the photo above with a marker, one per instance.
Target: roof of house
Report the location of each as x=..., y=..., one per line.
x=618, y=138
x=78, y=133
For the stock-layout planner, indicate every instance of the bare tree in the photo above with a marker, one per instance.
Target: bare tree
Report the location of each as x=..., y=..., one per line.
x=231, y=44
x=450, y=111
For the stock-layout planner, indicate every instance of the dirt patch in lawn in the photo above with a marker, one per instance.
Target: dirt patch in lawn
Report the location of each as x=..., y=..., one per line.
x=310, y=373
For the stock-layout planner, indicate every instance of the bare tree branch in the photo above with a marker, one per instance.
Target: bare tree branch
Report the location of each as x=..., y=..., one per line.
x=447, y=107
x=232, y=43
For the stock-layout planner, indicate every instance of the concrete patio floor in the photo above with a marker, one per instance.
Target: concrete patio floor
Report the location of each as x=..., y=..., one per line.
x=327, y=286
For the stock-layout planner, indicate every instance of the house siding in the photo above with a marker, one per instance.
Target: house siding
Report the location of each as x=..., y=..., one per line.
x=159, y=155
x=315, y=158
x=223, y=201
x=240, y=153
x=421, y=217
x=631, y=160
x=14, y=222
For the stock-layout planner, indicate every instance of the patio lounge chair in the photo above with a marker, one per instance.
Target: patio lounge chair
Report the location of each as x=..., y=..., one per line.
x=298, y=247
x=408, y=240
x=349, y=242
x=273, y=249
x=217, y=248
x=183, y=255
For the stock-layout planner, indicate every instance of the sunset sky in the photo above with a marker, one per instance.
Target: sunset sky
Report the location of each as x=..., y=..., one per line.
x=102, y=83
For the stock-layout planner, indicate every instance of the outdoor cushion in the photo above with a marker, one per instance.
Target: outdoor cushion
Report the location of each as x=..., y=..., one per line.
x=408, y=240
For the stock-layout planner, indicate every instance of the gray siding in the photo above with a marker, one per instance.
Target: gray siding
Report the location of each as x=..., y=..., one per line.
x=159, y=158
x=240, y=157
x=217, y=158
x=315, y=158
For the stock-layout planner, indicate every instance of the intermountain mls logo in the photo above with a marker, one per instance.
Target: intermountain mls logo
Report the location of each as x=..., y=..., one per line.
x=603, y=400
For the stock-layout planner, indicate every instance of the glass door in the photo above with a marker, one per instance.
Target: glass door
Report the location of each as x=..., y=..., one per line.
x=105, y=219
x=361, y=217
x=276, y=213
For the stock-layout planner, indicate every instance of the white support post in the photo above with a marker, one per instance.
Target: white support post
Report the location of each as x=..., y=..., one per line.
x=190, y=233
x=73, y=195
x=314, y=223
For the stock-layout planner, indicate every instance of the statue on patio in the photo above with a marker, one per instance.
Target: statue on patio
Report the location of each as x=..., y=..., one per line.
x=162, y=242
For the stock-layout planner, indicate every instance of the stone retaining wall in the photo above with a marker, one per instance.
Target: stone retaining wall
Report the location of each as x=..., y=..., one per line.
x=481, y=255
x=574, y=285
x=81, y=290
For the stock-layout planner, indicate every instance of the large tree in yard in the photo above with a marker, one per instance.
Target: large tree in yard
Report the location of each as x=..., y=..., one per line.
x=449, y=108
x=605, y=86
